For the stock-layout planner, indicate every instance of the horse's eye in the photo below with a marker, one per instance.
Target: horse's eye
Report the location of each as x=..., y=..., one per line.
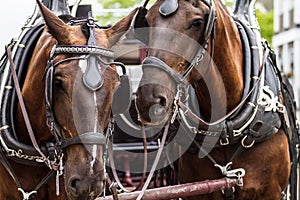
x=58, y=82
x=197, y=23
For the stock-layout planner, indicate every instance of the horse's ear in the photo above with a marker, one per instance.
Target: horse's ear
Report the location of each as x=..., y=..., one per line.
x=115, y=32
x=56, y=27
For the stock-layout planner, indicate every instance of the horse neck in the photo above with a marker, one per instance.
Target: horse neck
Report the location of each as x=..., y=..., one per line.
x=33, y=96
x=224, y=77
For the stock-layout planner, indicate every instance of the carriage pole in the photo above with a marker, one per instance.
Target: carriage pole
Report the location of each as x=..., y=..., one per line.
x=177, y=191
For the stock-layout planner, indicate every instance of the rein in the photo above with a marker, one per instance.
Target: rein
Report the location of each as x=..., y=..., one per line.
x=113, y=167
x=4, y=160
x=118, y=183
x=155, y=163
x=22, y=105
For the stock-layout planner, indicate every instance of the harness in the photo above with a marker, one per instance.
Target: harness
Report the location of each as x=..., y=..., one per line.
x=259, y=115
x=50, y=153
x=260, y=102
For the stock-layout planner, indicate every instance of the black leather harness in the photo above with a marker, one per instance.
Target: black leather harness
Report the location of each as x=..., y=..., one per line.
x=242, y=125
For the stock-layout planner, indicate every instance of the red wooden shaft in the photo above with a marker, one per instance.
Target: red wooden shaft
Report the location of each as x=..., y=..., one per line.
x=177, y=191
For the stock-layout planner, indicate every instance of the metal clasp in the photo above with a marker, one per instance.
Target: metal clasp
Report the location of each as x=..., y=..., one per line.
x=238, y=173
x=59, y=172
x=26, y=195
x=176, y=99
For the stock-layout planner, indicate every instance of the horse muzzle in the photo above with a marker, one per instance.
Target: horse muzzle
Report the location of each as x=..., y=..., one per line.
x=84, y=171
x=84, y=188
x=156, y=92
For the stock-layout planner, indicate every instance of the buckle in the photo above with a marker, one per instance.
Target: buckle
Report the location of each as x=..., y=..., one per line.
x=224, y=142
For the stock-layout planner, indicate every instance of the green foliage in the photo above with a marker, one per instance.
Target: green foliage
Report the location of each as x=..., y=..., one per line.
x=111, y=18
x=265, y=21
x=228, y=3
x=119, y=3
x=107, y=19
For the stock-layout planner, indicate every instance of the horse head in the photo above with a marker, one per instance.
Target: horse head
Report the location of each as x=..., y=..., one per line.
x=181, y=37
x=73, y=74
x=199, y=43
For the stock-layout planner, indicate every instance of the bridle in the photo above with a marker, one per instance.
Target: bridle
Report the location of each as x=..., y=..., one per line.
x=53, y=156
x=92, y=54
x=181, y=111
x=168, y=8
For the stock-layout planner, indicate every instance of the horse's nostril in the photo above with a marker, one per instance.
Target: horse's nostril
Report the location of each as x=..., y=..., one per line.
x=84, y=187
x=162, y=101
x=74, y=186
x=159, y=99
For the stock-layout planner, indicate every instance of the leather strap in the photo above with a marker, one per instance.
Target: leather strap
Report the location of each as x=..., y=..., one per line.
x=8, y=168
x=3, y=158
x=85, y=138
x=155, y=163
x=145, y=3
x=197, y=119
x=151, y=62
x=113, y=167
x=22, y=105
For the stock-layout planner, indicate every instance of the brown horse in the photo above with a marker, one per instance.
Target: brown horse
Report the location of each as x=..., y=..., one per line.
x=197, y=43
x=68, y=64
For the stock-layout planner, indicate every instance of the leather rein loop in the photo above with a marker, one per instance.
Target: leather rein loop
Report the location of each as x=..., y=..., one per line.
x=22, y=105
x=113, y=167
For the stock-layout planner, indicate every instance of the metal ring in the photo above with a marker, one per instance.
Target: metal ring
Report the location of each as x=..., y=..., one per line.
x=224, y=143
x=247, y=146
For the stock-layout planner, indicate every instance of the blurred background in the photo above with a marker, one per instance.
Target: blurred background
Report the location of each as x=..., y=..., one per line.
x=14, y=14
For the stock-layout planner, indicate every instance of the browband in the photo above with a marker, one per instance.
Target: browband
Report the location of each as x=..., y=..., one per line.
x=86, y=49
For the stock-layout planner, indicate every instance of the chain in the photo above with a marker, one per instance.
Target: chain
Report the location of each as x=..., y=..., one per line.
x=195, y=130
x=19, y=154
x=208, y=133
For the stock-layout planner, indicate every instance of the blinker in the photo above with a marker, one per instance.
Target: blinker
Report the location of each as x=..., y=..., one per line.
x=168, y=7
x=92, y=78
